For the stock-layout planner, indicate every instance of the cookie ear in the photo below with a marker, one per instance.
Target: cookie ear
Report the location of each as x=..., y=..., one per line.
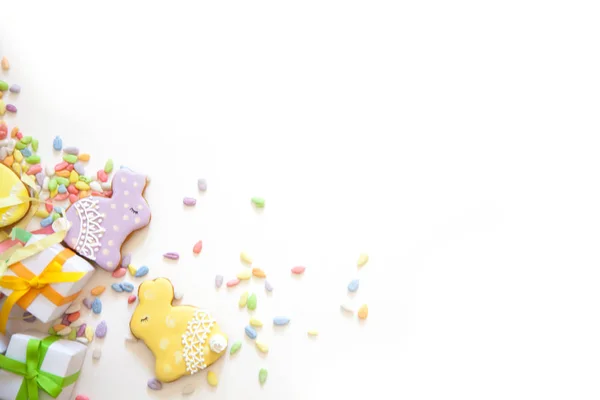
x=157, y=291
x=128, y=183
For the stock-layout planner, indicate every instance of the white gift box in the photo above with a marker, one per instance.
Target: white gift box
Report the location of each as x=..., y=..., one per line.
x=64, y=358
x=42, y=308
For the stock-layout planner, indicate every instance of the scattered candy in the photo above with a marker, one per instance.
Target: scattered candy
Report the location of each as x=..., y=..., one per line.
x=81, y=330
x=5, y=64
x=250, y=332
x=178, y=295
x=244, y=275
x=15, y=88
x=89, y=333
x=233, y=282
x=73, y=308
x=243, y=299
x=98, y=290
x=262, y=346
x=82, y=397
x=252, y=302
x=363, y=312
x=235, y=347
x=108, y=167
x=259, y=273
x=258, y=202
x=362, y=260
x=117, y=287
x=245, y=258
x=126, y=260
x=97, y=306
x=131, y=299
x=219, y=281
x=154, y=384
x=212, y=379
x=3, y=86
x=262, y=376
x=119, y=272
x=298, y=270
x=353, y=286
x=64, y=331
x=171, y=255
x=87, y=302
x=74, y=317
x=188, y=389
x=101, y=330
x=202, y=185
x=347, y=307
x=198, y=247
x=27, y=317
x=127, y=286
x=141, y=272
x=97, y=354
x=71, y=150
x=313, y=332
x=102, y=176
x=132, y=269
x=72, y=335
x=256, y=322
x=268, y=286
x=279, y=321
x=189, y=201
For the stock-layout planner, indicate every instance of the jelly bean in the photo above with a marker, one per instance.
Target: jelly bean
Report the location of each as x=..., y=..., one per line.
x=108, y=167
x=101, y=330
x=218, y=281
x=127, y=286
x=268, y=286
x=187, y=390
x=235, y=347
x=60, y=166
x=2, y=107
x=119, y=272
x=362, y=260
x=34, y=170
x=82, y=185
x=87, y=302
x=189, y=201
x=26, y=152
x=98, y=290
x=63, y=174
x=73, y=177
x=245, y=258
x=298, y=270
x=347, y=307
x=178, y=295
x=313, y=332
x=26, y=139
x=19, y=136
x=95, y=186
x=11, y=108
x=250, y=332
x=97, y=354
x=202, y=185
x=171, y=256
x=262, y=376
x=243, y=299
x=102, y=176
x=8, y=161
x=52, y=184
x=154, y=384
x=84, y=157
x=61, y=197
x=212, y=379
x=62, y=188
x=74, y=316
x=15, y=88
x=141, y=272
x=5, y=64
x=72, y=189
x=46, y=221
x=117, y=287
x=256, y=322
x=262, y=346
x=34, y=144
x=131, y=299
x=252, y=302
x=279, y=321
x=363, y=312
x=63, y=332
x=233, y=282
x=197, y=247
x=3, y=86
x=70, y=158
x=62, y=180
x=132, y=269
x=79, y=168
x=244, y=275
x=85, y=179
x=97, y=306
x=259, y=273
x=81, y=330
x=71, y=150
x=17, y=168
x=35, y=159
x=89, y=333
x=73, y=198
x=353, y=286
x=258, y=202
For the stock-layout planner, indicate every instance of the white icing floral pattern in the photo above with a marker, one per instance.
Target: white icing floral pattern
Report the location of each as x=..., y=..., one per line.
x=90, y=227
x=193, y=341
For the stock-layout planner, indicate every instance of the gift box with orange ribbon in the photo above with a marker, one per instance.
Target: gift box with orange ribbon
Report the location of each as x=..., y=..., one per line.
x=45, y=284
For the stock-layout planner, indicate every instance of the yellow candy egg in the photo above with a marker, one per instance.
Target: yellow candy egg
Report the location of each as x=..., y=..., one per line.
x=13, y=195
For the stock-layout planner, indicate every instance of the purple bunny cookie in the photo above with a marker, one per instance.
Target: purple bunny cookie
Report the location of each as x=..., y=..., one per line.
x=100, y=226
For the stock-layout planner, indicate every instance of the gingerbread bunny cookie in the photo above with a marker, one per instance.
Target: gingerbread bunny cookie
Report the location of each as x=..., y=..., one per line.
x=100, y=226
x=183, y=339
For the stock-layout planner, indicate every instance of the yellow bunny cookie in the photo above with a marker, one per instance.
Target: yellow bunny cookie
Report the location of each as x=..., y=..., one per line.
x=184, y=339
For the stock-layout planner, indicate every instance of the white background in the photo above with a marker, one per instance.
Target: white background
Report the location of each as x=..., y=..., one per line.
x=454, y=142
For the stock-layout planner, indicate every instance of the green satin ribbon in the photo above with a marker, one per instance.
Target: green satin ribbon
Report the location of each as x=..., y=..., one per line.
x=33, y=378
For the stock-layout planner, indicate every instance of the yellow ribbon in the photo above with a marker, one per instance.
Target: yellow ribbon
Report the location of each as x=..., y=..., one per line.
x=33, y=285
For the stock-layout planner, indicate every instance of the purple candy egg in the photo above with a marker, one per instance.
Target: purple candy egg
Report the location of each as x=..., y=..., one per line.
x=101, y=329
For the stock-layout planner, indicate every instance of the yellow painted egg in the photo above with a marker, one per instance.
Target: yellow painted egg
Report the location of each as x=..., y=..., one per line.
x=13, y=195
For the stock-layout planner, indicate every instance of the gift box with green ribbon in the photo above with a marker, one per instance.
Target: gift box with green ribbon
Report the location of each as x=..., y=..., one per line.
x=36, y=367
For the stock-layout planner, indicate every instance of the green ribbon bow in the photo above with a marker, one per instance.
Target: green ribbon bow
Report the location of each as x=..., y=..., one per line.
x=33, y=378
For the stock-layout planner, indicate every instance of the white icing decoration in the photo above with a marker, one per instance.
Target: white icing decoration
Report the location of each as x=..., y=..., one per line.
x=217, y=343
x=90, y=228
x=193, y=340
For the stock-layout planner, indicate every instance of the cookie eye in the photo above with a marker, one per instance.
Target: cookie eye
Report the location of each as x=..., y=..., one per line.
x=133, y=210
x=145, y=319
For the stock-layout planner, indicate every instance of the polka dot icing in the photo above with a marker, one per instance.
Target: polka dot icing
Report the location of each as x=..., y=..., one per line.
x=99, y=222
